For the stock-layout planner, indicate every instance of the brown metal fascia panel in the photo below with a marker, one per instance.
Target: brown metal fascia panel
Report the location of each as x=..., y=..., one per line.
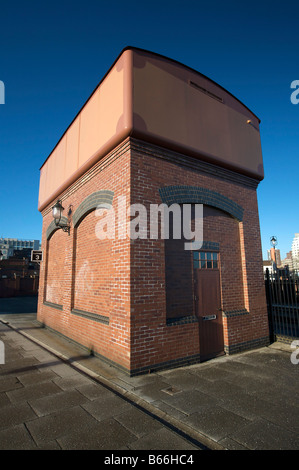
x=186, y=67
x=122, y=131
x=110, y=145
x=128, y=91
x=208, y=124
x=182, y=149
x=89, y=98
x=127, y=128
x=144, y=51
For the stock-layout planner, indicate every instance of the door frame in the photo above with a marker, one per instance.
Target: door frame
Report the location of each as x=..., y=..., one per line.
x=210, y=323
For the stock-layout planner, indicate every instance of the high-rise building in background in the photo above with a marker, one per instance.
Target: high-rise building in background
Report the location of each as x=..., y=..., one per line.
x=295, y=251
x=9, y=245
x=288, y=261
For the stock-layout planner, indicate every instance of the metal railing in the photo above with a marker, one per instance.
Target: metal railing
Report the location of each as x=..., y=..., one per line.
x=282, y=292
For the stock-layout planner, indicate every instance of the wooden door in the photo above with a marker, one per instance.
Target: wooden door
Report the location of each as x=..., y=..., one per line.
x=207, y=295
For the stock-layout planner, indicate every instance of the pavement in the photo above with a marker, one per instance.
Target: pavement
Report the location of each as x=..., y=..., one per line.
x=53, y=395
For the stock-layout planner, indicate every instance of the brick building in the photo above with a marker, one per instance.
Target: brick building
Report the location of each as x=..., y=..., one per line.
x=154, y=132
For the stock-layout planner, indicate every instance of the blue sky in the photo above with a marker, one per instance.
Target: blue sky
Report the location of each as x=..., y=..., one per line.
x=53, y=54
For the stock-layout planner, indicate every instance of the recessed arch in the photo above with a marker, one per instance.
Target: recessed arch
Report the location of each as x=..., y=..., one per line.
x=53, y=227
x=198, y=195
x=103, y=197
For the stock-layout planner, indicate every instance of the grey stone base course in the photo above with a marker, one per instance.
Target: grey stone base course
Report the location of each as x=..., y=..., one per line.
x=247, y=345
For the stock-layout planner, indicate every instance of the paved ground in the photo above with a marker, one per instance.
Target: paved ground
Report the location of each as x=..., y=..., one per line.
x=54, y=396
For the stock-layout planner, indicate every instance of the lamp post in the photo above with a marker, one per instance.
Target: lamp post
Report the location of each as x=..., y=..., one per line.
x=57, y=210
x=273, y=241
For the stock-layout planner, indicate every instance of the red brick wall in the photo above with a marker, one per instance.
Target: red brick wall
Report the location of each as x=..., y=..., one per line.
x=55, y=259
x=92, y=269
x=92, y=275
x=153, y=341
x=122, y=281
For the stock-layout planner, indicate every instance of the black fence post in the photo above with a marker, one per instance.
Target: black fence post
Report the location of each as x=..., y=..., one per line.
x=269, y=305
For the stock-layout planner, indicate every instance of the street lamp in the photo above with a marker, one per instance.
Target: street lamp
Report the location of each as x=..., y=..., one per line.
x=273, y=241
x=57, y=210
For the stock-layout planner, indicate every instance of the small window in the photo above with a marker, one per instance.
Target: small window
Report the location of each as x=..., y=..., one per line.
x=196, y=260
x=215, y=260
x=205, y=260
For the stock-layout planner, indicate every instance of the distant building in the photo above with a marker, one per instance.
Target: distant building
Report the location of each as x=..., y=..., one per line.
x=9, y=245
x=18, y=277
x=295, y=251
x=268, y=265
x=288, y=261
x=18, y=267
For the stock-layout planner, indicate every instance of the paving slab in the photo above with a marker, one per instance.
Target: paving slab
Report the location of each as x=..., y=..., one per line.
x=33, y=391
x=16, y=438
x=167, y=441
x=264, y=435
x=190, y=401
x=107, y=435
x=216, y=422
x=59, y=424
x=59, y=401
x=138, y=423
x=100, y=408
x=12, y=414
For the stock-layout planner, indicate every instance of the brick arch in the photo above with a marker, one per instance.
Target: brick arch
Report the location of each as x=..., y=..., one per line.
x=53, y=227
x=54, y=265
x=103, y=198
x=197, y=195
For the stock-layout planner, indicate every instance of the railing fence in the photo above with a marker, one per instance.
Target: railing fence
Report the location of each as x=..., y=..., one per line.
x=282, y=292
